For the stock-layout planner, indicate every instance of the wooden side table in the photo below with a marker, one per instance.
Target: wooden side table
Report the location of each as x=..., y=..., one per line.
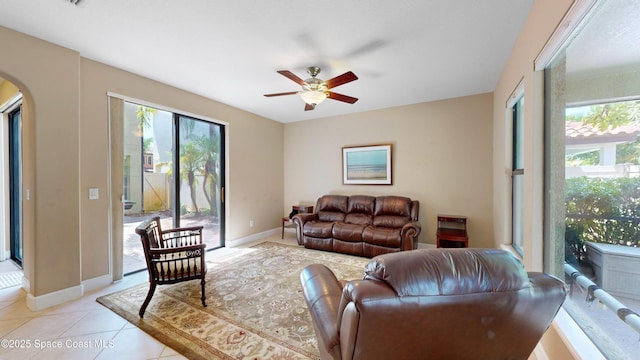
x=452, y=232
x=295, y=209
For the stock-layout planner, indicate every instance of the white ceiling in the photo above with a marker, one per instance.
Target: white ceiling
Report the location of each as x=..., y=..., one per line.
x=403, y=51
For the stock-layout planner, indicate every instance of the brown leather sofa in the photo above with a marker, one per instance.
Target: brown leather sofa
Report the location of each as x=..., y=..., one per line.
x=433, y=304
x=360, y=225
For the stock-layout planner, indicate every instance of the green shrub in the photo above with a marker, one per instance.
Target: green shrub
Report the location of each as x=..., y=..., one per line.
x=601, y=210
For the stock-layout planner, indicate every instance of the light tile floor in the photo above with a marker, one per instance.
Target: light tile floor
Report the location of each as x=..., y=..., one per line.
x=83, y=329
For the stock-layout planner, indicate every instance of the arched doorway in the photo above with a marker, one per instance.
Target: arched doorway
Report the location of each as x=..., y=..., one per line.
x=11, y=235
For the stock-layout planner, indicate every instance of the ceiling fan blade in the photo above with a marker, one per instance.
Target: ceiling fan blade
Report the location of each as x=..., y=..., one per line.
x=308, y=107
x=340, y=97
x=280, y=94
x=292, y=76
x=341, y=79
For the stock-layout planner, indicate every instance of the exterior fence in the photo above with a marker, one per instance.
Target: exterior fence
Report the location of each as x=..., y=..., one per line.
x=158, y=194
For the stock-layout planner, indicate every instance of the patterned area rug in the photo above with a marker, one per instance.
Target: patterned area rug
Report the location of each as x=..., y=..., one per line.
x=255, y=306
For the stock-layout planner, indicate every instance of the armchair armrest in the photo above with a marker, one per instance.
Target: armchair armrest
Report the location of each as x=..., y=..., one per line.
x=299, y=220
x=323, y=291
x=195, y=250
x=409, y=235
x=380, y=301
x=553, y=290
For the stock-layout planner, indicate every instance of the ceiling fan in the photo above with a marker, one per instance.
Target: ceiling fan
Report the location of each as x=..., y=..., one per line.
x=315, y=90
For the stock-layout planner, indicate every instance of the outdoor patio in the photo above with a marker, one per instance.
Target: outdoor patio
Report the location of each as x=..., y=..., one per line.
x=133, y=255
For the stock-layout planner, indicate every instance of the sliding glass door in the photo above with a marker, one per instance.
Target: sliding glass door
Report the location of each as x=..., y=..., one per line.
x=200, y=188
x=15, y=186
x=183, y=187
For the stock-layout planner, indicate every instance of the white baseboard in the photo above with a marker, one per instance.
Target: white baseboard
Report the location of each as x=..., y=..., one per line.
x=37, y=303
x=96, y=283
x=251, y=238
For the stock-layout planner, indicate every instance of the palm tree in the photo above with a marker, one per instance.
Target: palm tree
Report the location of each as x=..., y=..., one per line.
x=612, y=115
x=606, y=117
x=146, y=145
x=144, y=115
x=190, y=159
x=209, y=146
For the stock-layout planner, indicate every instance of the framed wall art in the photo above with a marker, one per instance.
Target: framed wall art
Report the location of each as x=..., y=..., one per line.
x=366, y=165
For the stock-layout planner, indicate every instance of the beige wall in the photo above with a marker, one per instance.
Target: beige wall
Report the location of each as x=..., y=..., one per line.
x=65, y=124
x=545, y=15
x=441, y=156
x=48, y=77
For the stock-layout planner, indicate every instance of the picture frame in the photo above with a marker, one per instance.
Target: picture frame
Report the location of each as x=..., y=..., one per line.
x=366, y=165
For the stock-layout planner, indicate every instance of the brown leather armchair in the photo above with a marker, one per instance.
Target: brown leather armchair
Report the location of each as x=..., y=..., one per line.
x=433, y=304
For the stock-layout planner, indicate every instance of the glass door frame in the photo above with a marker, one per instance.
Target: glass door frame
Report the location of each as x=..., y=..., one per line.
x=15, y=184
x=116, y=139
x=177, y=117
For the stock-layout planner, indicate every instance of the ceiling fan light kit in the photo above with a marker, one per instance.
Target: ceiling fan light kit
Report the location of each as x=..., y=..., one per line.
x=314, y=90
x=313, y=97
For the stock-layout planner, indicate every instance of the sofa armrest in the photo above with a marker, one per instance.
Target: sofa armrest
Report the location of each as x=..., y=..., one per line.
x=299, y=220
x=409, y=235
x=322, y=292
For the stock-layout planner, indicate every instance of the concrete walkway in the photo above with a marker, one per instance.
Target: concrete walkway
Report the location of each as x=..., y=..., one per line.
x=133, y=255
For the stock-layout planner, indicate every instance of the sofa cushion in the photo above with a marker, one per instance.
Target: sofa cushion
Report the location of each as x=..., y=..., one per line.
x=392, y=211
x=358, y=219
x=318, y=229
x=348, y=232
x=449, y=271
x=360, y=209
x=332, y=207
x=382, y=236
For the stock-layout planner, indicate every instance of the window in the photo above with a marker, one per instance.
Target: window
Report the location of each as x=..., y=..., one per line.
x=517, y=175
x=592, y=174
x=148, y=162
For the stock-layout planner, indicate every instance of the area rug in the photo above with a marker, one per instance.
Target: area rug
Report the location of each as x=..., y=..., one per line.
x=255, y=306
